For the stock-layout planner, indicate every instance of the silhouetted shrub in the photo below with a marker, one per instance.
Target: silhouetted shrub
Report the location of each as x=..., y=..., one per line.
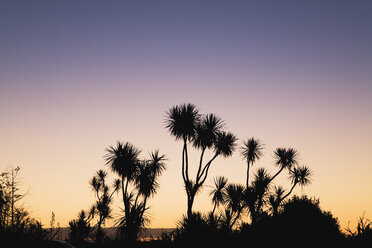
x=201, y=231
x=304, y=218
x=363, y=233
x=301, y=221
x=17, y=227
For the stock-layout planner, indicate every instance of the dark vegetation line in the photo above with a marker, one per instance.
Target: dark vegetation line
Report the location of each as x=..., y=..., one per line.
x=258, y=212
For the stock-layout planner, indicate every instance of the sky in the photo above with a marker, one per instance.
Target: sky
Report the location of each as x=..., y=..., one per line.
x=76, y=76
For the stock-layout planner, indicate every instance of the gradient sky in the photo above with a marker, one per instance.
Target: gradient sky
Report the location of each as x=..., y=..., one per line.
x=75, y=76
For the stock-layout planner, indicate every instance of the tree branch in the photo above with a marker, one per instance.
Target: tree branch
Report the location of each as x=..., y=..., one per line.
x=200, y=165
x=294, y=185
x=206, y=169
x=281, y=169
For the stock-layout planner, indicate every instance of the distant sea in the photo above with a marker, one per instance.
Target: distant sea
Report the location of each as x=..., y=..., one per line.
x=149, y=233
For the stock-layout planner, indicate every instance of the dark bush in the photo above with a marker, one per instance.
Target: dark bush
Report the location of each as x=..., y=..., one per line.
x=301, y=222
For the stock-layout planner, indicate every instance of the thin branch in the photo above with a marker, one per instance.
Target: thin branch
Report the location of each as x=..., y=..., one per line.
x=281, y=169
x=206, y=168
x=294, y=185
x=200, y=165
x=236, y=218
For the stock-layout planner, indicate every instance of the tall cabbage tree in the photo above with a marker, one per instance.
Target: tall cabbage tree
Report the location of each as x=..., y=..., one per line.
x=203, y=132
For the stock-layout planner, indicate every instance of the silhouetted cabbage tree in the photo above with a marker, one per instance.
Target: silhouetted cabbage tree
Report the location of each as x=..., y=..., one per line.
x=285, y=158
x=218, y=192
x=251, y=152
x=80, y=228
x=138, y=183
x=300, y=175
x=257, y=193
x=234, y=203
x=261, y=195
x=101, y=209
x=275, y=199
x=203, y=132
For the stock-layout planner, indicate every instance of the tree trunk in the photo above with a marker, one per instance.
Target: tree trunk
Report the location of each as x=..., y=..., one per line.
x=235, y=219
x=247, y=175
x=214, y=208
x=125, y=200
x=183, y=161
x=190, y=202
x=124, y=193
x=12, y=200
x=186, y=161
